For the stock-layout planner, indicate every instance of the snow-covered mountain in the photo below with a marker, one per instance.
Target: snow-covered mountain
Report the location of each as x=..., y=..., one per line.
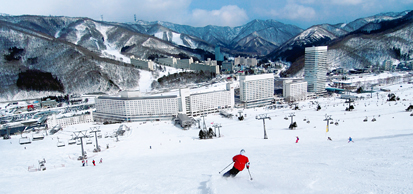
x=334, y=36
x=83, y=54
x=270, y=33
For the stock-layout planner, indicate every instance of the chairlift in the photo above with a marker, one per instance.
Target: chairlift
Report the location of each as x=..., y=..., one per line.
x=24, y=140
x=374, y=119
x=38, y=136
x=61, y=144
x=308, y=121
x=89, y=141
x=71, y=142
x=78, y=142
x=285, y=118
x=331, y=122
x=365, y=120
x=336, y=123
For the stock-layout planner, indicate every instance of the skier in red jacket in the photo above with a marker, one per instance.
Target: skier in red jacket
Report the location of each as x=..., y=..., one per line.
x=240, y=161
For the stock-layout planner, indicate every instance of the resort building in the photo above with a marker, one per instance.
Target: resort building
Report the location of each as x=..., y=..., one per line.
x=315, y=69
x=294, y=91
x=250, y=62
x=142, y=63
x=208, y=102
x=130, y=106
x=256, y=90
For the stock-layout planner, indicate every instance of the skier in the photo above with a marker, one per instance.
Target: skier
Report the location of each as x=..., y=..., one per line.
x=350, y=140
x=83, y=162
x=240, y=161
x=93, y=162
x=329, y=138
x=296, y=141
x=100, y=160
x=86, y=163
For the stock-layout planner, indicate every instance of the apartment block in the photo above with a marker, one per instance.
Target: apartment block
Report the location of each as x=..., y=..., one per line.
x=256, y=90
x=142, y=63
x=294, y=91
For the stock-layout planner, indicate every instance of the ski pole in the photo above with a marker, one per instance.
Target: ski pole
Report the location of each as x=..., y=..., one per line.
x=249, y=173
x=225, y=168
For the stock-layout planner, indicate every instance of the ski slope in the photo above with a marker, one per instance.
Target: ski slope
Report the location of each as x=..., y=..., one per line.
x=158, y=157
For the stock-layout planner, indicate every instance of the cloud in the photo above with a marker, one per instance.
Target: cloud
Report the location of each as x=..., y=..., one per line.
x=294, y=11
x=347, y=2
x=230, y=15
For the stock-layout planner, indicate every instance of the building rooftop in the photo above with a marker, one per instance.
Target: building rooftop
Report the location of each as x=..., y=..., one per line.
x=136, y=98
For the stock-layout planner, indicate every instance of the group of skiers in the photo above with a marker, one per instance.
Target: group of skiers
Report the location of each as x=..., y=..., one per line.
x=93, y=162
x=328, y=138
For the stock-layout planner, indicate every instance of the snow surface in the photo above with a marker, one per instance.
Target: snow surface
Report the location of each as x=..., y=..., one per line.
x=111, y=49
x=146, y=78
x=158, y=157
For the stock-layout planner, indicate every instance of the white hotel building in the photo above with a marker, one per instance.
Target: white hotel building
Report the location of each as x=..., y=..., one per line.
x=294, y=91
x=208, y=102
x=130, y=106
x=256, y=90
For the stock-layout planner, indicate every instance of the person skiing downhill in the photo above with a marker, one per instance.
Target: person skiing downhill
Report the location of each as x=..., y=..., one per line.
x=350, y=140
x=296, y=141
x=240, y=161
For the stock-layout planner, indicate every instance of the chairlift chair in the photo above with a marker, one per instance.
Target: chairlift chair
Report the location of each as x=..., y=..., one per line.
x=24, y=140
x=38, y=136
x=71, y=142
x=61, y=144
x=89, y=141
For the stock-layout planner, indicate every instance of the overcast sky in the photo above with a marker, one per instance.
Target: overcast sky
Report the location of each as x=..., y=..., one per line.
x=303, y=13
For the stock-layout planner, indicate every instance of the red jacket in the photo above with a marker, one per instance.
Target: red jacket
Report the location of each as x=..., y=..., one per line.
x=240, y=161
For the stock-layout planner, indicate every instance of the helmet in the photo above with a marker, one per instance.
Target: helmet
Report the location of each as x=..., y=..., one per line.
x=242, y=152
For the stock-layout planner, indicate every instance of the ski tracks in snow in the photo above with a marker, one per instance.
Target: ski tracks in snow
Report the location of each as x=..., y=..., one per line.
x=240, y=184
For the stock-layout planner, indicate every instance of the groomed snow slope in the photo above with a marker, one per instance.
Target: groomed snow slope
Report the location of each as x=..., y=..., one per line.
x=379, y=160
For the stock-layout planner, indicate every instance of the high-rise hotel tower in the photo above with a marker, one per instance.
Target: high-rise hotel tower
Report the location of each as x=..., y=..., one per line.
x=315, y=68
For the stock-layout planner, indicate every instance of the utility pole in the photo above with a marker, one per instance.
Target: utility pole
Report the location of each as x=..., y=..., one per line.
x=96, y=130
x=328, y=118
x=217, y=125
x=7, y=131
x=263, y=117
x=199, y=123
x=292, y=115
x=204, y=125
x=81, y=135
